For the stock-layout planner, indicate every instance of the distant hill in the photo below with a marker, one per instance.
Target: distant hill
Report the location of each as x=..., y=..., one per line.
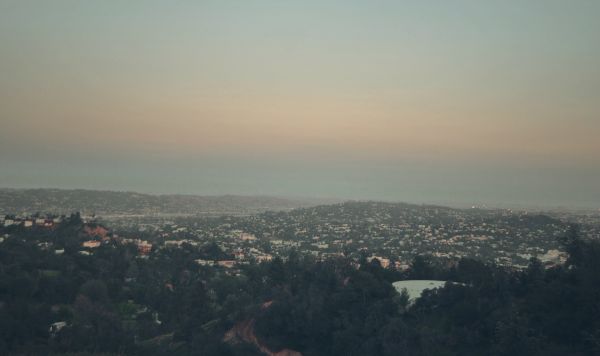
x=29, y=201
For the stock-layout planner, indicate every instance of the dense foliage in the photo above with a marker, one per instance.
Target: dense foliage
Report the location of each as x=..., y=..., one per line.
x=115, y=302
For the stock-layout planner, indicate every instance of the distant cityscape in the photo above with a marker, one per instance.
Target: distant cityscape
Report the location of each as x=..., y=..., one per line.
x=248, y=230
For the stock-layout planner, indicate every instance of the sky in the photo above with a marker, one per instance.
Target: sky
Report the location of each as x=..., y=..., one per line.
x=455, y=102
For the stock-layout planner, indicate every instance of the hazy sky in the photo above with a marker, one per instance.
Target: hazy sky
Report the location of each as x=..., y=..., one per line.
x=421, y=101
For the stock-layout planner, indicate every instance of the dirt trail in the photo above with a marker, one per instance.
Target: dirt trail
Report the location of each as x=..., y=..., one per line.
x=244, y=332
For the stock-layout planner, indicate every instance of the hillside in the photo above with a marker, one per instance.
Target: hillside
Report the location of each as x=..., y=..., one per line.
x=28, y=201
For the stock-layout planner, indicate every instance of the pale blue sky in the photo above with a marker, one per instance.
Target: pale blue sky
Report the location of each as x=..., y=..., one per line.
x=466, y=101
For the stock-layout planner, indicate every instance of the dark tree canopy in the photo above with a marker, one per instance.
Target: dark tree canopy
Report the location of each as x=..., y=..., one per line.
x=113, y=302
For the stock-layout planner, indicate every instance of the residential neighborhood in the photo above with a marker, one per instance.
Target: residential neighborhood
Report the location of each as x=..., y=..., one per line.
x=392, y=233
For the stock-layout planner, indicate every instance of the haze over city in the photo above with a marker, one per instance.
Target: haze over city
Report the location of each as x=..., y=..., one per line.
x=300, y=178
x=450, y=102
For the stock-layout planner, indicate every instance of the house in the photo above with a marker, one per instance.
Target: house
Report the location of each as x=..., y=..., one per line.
x=401, y=266
x=202, y=262
x=244, y=236
x=56, y=327
x=93, y=230
x=384, y=262
x=91, y=244
x=44, y=245
x=226, y=263
x=263, y=258
x=144, y=247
